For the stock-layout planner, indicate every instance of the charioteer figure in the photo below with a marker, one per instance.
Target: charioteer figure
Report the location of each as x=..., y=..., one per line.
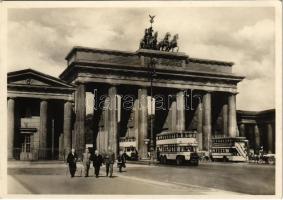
x=150, y=40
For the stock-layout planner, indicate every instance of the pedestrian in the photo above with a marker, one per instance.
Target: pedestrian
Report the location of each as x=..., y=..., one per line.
x=109, y=160
x=86, y=161
x=121, y=161
x=158, y=154
x=97, y=161
x=261, y=154
x=72, y=160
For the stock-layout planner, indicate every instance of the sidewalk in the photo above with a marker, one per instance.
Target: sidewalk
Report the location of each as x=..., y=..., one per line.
x=36, y=164
x=14, y=185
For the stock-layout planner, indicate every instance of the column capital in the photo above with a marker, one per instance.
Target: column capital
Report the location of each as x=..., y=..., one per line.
x=108, y=85
x=68, y=101
x=231, y=93
x=79, y=82
x=182, y=90
x=13, y=98
x=143, y=88
x=208, y=91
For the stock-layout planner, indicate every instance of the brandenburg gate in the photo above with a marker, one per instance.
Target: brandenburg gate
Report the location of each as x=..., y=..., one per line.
x=118, y=73
x=136, y=95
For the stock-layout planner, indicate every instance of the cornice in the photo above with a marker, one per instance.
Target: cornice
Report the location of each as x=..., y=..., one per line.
x=168, y=71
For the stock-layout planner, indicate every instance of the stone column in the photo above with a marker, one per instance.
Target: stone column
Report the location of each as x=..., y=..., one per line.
x=270, y=138
x=11, y=127
x=206, y=121
x=43, y=130
x=67, y=128
x=180, y=100
x=105, y=136
x=232, y=121
x=99, y=140
x=225, y=119
x=80, y=119
x=136, y=118
x=113, y=121
x=199, y=125
x=173, y=116
x=62, y=153
x=257, y=138
x=242, y=130
x=143, y=122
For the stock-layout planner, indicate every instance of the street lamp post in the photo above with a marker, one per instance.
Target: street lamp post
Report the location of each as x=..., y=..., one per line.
x=152, y=74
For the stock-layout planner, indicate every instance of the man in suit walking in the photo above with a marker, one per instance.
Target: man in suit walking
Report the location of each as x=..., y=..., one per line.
x=86, y=161
x=109, y=160
x=97, y=162
x=72, y=160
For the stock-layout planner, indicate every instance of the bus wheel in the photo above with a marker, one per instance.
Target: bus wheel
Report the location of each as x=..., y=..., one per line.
x=161, y=160
x=179, y=160
x=195, y=163
x=225, y=159
x=271, y=160
x=164, y=160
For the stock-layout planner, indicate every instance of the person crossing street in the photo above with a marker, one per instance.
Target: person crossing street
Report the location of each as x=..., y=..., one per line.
x=121, y=161
x=72, y=161
x=97, y=161
x=109, y=160
x=86, y=161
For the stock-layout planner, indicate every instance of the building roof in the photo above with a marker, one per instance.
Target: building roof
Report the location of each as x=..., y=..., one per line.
x=256, y=113
x=175, y=54
x=175, y=68
x=29, y=83
x=256, y=116
x=18, y=77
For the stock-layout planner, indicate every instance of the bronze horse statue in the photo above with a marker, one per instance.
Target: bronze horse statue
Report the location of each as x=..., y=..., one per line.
x=173, y=43
x=153, y=41
x=144, y=39
x=164, y=44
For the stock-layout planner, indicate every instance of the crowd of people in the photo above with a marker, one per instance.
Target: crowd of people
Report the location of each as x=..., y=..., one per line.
x=97, y=160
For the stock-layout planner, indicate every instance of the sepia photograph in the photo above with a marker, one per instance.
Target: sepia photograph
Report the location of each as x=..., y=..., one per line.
x=146, y=99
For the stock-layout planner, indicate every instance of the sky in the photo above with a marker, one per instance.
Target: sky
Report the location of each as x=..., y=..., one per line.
x=40, y=38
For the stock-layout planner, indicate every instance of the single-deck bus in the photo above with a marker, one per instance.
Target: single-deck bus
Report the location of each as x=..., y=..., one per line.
x=178, y=146
x=230, y=149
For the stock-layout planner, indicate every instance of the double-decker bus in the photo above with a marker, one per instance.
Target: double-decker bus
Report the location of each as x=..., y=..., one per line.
x=178, y=146
x=230, y=149
x=128, y=145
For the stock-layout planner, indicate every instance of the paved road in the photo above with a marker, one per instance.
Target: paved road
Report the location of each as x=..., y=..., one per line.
x=212, y=179
x=236, y=177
